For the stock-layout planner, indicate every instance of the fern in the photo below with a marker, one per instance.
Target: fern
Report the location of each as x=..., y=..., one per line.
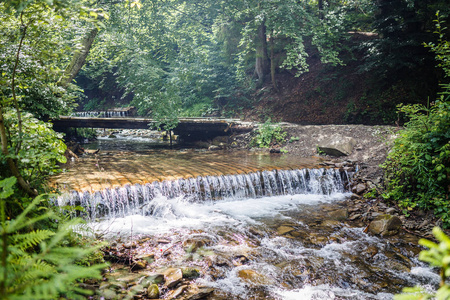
x=33, y=264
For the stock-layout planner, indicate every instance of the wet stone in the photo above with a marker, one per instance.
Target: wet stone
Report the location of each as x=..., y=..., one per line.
x=385, y=225
x=175, y=293
x=190, y=272
x=172, y=277
x=153, y=292
x=253, y=277
x=359, y=188
x=339, y=215
x=108, y=294
x=198, y=293
x=284, y=229
x=152, y=279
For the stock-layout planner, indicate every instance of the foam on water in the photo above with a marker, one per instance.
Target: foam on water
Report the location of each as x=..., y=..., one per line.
x=170, y=214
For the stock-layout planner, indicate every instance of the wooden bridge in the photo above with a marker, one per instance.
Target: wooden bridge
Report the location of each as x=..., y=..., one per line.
x=189, y=129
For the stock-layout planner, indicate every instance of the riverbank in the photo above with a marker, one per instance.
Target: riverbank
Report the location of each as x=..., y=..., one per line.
x=370, y=149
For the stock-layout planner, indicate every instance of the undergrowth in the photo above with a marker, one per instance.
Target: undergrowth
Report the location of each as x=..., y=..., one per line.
x=268, y=135
x=417, y=170
x=38, y=263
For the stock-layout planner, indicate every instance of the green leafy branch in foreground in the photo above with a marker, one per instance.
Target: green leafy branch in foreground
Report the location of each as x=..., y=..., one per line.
x=34, y=264
x=438, y=255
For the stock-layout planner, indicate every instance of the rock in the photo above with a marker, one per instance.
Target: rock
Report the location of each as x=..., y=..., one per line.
x=112, y=136
x=385, y=225
x=195, y=242
x=138, y=265
x=275, y=150
x=149, y=258
x=253, y=277
x=198, y=293
x=390, y=211
x=359, y=188
x=137, y=289
x=153, y=292
x=152, y=279
x=214, y=148
x=190, y=272
x=337, y=145
x=338, y=215
x=284, y=229
x=330, y=223
x=108, y=294
x=172, y=277
x=174, y=294
x=355, y=216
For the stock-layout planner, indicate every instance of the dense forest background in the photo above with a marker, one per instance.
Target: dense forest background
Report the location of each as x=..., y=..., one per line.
x=309, y=62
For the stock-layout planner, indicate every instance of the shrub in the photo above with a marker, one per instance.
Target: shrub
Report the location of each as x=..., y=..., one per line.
x=268, y=135
x=417, y=170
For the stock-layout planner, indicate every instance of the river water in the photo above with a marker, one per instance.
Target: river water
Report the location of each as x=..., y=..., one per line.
x=257, y=226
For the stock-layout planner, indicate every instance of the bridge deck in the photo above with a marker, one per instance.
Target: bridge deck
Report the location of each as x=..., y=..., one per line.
x=206, y=127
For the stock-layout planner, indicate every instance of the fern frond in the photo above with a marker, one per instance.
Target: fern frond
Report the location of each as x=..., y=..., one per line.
x=27, y=240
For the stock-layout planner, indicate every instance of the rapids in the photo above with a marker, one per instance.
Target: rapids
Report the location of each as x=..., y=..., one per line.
x=279, y=233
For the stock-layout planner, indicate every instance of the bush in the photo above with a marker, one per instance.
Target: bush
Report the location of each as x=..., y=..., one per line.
x=417, y=170
x=268, y=135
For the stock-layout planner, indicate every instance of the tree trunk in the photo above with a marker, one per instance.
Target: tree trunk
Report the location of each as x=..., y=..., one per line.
x=262, y=63
x=320, y=4
x=79, y=58
x=272, y=63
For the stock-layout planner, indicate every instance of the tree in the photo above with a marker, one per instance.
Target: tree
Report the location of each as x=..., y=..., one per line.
x=34, y=48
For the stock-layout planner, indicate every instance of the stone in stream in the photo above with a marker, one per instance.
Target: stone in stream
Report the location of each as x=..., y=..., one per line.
x=385, y=225
x=253, y=277
x=138, y=265
x=284, y=229
x=155, y=278
x=190, y=272
x=337, y=145
x=172, y=277
x=197, y=293
x=338, y=215
x=359, y=188
x=153, y=292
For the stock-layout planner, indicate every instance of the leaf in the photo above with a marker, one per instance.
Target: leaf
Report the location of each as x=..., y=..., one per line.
x=6, y=186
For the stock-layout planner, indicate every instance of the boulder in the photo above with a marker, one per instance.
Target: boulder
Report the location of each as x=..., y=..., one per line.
x=385, y=225
x=337, y=145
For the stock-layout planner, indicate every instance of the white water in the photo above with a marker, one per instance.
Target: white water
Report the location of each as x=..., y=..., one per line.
x=228, y=210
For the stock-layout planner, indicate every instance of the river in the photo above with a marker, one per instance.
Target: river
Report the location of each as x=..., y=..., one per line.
x=254, y=225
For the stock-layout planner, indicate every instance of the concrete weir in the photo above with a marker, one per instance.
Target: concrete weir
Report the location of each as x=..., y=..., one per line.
x=189, y=129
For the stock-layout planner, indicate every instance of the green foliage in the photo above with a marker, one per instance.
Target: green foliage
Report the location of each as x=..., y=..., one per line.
x=34, y=263
x=37, y=149
x=438, y=255
x=417, y=170
x=268, y=135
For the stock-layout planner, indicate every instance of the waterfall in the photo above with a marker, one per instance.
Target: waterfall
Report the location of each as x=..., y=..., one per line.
x=132, y=199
